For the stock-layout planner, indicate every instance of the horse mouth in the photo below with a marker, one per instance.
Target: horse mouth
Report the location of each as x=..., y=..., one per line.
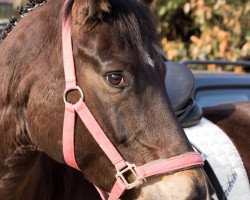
x=186, y=185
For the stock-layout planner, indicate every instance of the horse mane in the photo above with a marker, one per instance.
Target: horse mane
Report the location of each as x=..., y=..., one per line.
x=22, y=11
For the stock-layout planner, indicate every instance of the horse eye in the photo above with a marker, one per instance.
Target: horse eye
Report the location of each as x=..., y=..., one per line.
x=115, y=80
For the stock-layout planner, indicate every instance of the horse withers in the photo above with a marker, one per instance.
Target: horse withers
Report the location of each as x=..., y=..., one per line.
x=120, y=69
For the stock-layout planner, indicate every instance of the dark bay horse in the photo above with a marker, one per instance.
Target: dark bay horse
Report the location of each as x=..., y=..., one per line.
x=121, y=72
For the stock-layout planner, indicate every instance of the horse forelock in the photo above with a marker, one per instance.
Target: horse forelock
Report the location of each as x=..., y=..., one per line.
x=133, y=23
x=136, y=26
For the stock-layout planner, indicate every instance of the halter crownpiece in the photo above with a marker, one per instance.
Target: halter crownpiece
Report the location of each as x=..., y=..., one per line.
x=140, y=173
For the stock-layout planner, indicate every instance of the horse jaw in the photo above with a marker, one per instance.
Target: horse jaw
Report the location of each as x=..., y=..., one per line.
x=186, y=185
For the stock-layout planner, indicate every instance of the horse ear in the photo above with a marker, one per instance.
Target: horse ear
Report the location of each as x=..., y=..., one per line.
x=90, y=9
x=96, y=8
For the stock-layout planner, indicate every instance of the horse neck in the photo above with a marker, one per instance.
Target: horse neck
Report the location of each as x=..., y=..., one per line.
x=32, y=48
x=30, y=51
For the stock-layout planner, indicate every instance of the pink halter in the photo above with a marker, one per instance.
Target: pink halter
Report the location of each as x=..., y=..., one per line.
x=140, y=173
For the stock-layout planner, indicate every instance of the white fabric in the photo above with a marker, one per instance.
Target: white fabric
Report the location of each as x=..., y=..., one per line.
x=223, y=158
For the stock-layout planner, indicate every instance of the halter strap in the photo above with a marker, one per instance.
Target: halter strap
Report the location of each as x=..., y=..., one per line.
x=68, y=60
x=161, y=166
x=82, y=110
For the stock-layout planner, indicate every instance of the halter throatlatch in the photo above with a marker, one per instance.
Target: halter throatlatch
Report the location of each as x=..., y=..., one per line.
x=122, y=167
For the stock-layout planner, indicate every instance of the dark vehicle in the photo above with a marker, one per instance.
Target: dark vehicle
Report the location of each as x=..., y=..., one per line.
x=224, y=87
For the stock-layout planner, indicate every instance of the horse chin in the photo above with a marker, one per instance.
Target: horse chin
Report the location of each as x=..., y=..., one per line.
x=188, y=185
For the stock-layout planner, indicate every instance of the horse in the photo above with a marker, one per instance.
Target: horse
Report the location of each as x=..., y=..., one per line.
x=120, y=72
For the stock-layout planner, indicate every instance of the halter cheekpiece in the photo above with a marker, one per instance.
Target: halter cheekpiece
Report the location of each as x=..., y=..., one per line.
x=122, y=167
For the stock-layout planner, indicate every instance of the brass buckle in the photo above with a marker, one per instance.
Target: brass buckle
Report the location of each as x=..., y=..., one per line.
x=128, y=184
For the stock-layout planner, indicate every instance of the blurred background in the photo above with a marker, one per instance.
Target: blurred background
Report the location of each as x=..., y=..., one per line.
x=193, y=29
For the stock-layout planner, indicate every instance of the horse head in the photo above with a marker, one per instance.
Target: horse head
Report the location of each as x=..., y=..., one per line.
x=120, y=69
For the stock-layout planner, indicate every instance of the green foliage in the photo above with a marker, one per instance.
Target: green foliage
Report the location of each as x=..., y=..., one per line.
x=6, y=11
x=204, y=29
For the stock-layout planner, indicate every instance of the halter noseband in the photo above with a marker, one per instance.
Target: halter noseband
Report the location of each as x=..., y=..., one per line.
x=140, y=173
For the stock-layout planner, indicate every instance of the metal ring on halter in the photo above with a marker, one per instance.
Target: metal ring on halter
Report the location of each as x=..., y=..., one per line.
x=67, y=90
